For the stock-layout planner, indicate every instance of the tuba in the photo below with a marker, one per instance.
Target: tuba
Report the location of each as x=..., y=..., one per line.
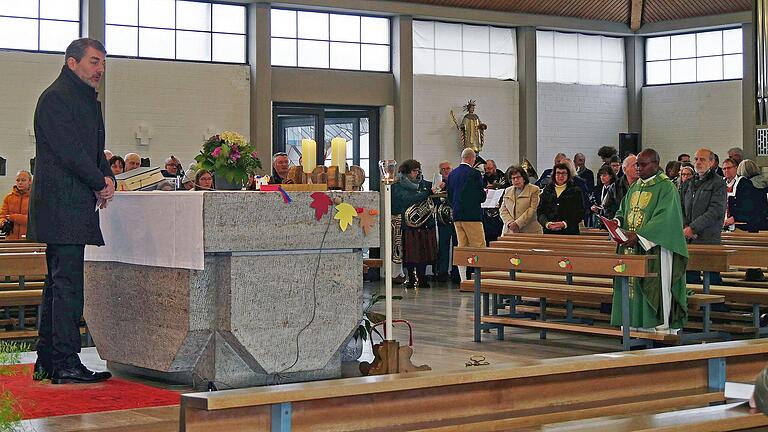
x=417, y=215
x=444, y=213
x=529, y=169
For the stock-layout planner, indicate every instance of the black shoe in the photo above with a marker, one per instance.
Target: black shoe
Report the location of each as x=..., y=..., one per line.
x=442, y=277
x=423, y=283
x=40, y=373
x=78, y=375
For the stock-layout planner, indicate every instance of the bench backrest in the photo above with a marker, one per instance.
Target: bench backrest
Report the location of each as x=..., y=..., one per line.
x=23, y=264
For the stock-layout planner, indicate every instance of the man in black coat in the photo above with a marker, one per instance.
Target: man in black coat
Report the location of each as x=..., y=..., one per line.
x=72, y=180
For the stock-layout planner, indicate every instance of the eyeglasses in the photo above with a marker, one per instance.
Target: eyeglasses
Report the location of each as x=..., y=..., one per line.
x=516, y=177
x=686, y=175
x=725, y=167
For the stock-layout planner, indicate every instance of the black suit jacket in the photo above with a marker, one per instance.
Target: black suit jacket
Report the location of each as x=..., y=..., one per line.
x=69, y=164
x=465, y=193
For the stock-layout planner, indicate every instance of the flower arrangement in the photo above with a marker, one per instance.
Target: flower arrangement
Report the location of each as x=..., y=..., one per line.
x=230, y=156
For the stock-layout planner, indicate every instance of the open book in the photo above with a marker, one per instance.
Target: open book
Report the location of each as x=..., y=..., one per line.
x=617, y=234
x=492, y=198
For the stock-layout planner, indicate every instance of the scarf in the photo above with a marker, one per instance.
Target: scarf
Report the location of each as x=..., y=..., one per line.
x=407, y=183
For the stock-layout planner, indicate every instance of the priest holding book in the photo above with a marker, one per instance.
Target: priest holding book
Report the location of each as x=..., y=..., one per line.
x=651, y=218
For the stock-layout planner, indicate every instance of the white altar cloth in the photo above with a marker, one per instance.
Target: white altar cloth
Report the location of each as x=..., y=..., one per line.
x=158, y=228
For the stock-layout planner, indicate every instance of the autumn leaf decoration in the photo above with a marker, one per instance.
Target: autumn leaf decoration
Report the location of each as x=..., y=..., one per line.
x=345, y=213
x=367, y=220
x=320, y=202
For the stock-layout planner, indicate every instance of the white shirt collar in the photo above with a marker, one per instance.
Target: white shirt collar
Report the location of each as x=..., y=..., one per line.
x=648, y=179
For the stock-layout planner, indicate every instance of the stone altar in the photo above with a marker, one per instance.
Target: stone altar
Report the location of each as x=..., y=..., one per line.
x=195, y=287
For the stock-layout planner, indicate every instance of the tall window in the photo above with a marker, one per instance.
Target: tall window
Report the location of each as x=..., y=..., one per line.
x=692, y=57
x=330, y=41
x=464, y=50
x=39, y=25
x=176, y=29
x=573, y=58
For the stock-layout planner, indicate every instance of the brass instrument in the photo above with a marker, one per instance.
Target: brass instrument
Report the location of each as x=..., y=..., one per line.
x=529, y=169
x=418, y=214
x=397, y=238
x=444, y=214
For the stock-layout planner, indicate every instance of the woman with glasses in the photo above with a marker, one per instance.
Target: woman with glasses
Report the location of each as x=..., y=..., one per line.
x=606, y=176
x=687, y=172
x=419, y=243
x=561, y=205
x=518, y=207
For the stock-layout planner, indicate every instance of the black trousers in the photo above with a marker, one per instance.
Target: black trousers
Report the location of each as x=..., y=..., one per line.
x=59, y=342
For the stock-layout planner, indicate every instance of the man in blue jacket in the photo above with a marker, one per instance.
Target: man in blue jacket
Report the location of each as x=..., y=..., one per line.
x=466, y=194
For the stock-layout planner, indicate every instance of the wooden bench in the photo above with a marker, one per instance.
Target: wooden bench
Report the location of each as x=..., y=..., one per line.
x=495, y=397
x=20, y=266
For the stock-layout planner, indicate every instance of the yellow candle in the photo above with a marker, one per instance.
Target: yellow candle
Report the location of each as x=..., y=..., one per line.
x=308, y=155
x=339, y=153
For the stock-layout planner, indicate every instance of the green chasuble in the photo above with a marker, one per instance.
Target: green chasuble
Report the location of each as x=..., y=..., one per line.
x=652, y=209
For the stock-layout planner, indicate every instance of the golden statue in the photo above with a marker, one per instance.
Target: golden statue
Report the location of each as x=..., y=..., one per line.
x=471, y=129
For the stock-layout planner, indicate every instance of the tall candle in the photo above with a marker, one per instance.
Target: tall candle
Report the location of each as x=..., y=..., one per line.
x=339, y=153
x=308, y=155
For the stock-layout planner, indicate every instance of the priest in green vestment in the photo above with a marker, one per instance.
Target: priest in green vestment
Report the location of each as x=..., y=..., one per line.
x=651, y=215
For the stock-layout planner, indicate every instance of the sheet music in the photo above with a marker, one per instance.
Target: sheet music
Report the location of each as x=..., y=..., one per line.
x=492, y=198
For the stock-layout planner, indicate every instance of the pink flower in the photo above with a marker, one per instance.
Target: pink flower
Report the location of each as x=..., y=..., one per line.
x=235, y=155
x=255, y=155
x=216, y=151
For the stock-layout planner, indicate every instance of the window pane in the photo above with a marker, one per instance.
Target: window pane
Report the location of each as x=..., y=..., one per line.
x=683, y=71
x=447, y=36
x=448, y=62
x=683, y=46
x=122, y=12
x=709, y=43
x=709, y=68
x=193, y=16
x=374, y=30
x=345, y=28
x=312, y=53
x=57, y=35
x=18, y=33
x=156, y=13
x=156, y=43
x=732, y=42
x=657, y=72
x=545, y=69
x=228, y=48
x=283, y=52
x=613, y=49
x=193, y=45
x=345, y=56
x=283, y=23
x=228, y=19
x=423, y=34
x=566, y=71
x=374, y=58
x=19, y=8
x=590, y=47
x=477, y=64
x=423, y=61
x=59, y=9
x=503, y=66
x=312, y=25
x=657, y=48
x=503, y=40
x=590, y=72
x=732, y=66
x=566, y=45
x=613, y=73
x=545, y=43
x=122, y=40
x=475, y=38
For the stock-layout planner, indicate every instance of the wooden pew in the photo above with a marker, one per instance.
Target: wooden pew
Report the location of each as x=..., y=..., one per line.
x=18, y=267
x=495, y=397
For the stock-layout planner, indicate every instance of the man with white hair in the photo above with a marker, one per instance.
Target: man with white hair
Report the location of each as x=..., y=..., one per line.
x=132, y=161
x=736, y=154
x=466, y=194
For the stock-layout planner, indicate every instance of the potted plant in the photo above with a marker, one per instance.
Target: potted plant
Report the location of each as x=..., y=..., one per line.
x=366, y=328
x=230, y=157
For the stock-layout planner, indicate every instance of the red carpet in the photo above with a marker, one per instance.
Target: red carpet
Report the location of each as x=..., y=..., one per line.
x=37, y=399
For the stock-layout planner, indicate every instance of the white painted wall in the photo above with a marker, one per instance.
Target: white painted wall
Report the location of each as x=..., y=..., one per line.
x=578, y=119
x=179, y=102
x=682, y=118
x=435, y=136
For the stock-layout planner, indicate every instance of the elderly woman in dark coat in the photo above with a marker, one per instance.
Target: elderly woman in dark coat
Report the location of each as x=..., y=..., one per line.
x=419, y=243
x=561, y=206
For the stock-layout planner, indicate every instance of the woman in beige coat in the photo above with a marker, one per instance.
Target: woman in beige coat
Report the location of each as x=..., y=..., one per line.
x=518, y=207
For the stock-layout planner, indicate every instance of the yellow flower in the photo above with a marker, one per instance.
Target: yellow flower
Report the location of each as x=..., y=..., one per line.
x=234, y=139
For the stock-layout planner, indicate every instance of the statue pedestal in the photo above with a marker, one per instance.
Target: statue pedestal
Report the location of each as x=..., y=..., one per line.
x=256, y=302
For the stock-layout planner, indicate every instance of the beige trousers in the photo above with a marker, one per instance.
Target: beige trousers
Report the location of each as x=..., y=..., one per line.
x=469, y=234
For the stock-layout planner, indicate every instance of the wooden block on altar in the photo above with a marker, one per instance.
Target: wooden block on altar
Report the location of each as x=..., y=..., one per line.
x=319, y=175
x=334, y=178
x=296, y=175
x=304, y=187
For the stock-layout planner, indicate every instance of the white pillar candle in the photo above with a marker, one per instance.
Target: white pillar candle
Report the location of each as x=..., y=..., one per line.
x=339, y=153
x=308, y=155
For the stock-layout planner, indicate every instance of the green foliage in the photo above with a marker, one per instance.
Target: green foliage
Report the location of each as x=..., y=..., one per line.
x=10, y=354
x=366, y=328
x=230, y=156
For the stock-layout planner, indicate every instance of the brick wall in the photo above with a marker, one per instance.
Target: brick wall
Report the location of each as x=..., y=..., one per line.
x=682, y=118
x=436, y=138
x=578, y=118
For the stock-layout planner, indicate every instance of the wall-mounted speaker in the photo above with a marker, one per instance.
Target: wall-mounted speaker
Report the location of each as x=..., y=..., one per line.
x=629, y=143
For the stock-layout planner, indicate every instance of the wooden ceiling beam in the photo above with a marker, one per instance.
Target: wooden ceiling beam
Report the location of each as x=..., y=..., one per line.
x=636, y=15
